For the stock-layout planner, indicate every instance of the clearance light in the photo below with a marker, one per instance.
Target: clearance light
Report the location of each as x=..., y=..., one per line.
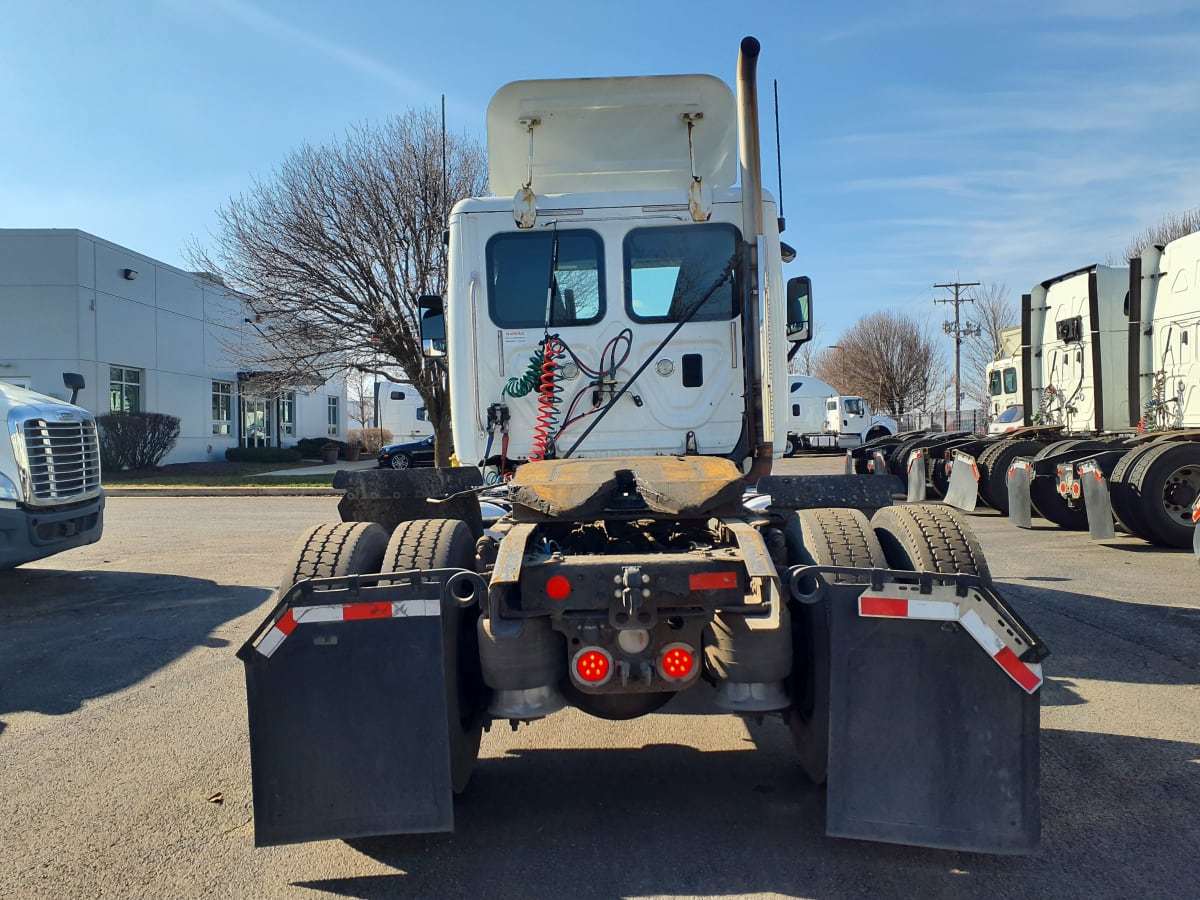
x=557, y=588
x=677, y=662
x=593, y=666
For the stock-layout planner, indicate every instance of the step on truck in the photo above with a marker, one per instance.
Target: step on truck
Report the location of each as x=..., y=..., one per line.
x=51, y=498
x=615, y=338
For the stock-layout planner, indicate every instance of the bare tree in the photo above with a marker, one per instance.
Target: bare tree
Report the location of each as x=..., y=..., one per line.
x=891, y=359
x=992, y=311
x=1172, y=226
x=331, y=254
x=360, y=397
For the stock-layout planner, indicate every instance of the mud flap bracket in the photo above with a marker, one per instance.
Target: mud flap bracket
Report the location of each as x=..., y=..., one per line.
x=933, y=741
x=346, y=695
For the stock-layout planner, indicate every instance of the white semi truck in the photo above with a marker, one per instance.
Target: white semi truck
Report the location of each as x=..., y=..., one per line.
x=615, y=338
x=819, y=418
x=51, y=498
x=400, y=410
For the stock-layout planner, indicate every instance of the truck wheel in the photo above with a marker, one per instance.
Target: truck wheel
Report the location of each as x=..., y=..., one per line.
x=993, y=466
x=793, y=446
x=939, y=478
x=335, y=549
x=924, y=537
x=447, y=544
x=898, y=459
x=829, y=537
x=1126, y=503
x=1166, y=479
x=1044, y=495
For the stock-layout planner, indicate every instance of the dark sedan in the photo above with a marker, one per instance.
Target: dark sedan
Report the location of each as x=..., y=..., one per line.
x=406, y=456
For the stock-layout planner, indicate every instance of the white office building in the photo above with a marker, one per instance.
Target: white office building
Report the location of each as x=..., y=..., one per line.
x=146, y=337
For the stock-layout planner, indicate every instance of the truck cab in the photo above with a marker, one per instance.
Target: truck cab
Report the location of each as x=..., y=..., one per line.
x=50, y=494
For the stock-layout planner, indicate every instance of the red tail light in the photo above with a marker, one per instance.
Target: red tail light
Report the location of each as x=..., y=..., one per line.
x=677, y=662
x=557, y=587
x=593, y=666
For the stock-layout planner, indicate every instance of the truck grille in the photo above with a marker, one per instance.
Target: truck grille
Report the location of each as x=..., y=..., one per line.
x=64, y=459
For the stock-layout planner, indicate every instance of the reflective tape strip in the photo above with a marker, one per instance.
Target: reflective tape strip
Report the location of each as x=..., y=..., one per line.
x=1196, y=512
x=349, y=612
x=952, y=609
x=712, y=581
x=1029, y=677
x=907, y=608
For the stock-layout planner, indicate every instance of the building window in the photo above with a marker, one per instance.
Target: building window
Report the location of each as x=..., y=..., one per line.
x=222, y=407
x=287, y=413
x=124, y=389
x=333, y=415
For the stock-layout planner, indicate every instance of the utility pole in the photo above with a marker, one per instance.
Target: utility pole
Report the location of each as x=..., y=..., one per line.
x=958, y=331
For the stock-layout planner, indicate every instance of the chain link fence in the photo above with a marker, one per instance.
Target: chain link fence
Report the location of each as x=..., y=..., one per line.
x=972, y=420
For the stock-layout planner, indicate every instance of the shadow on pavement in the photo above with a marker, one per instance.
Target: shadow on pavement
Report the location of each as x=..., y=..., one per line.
x=67, y=636
x=668, y=820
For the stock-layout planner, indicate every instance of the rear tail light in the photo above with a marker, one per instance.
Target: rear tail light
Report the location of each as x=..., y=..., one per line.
x=677, y=662
x=593, y=666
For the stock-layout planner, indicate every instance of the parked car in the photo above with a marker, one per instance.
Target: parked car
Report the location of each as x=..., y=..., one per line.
x=407, y=455
x=1009, y=420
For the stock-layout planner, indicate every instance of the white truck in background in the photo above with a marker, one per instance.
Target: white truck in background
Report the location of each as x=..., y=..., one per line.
x=821, y=419
x=1005, y=411
x=400, y=410
x=50, y=494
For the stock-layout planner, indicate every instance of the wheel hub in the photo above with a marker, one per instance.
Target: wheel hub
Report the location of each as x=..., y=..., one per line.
x=1180, y=491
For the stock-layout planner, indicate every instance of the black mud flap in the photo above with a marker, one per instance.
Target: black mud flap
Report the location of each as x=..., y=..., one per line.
x=963, y=491
x=1020, y=506
x=933, y=720
x=1096, y=501
x=345, y=689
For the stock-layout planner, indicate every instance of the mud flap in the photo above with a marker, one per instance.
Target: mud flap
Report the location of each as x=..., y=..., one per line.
x=1196, y=530
x=963, y=492
x=879, y=463
x=1096, y=501
x=1020, y=507
x=345, y=690
x=933, y=732
x=916, y=476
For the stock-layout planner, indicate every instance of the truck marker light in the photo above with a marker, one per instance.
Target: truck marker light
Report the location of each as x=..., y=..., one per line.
x=677, y=662
x=558, y=587
x=593, y=666
x=712, y=581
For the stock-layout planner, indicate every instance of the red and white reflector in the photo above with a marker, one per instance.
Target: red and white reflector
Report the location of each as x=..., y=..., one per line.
x=912, y=458
x=712, y=581
x=348, y=612
x=1196, y=511
x=972, y=612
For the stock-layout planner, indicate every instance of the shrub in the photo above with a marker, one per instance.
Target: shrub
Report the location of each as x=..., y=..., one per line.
x=262, y=454
x=372, y=440
x=310, y=448
x=131, y=441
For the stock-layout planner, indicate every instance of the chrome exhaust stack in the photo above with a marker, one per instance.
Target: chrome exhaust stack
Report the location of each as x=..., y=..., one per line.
x=749, y=151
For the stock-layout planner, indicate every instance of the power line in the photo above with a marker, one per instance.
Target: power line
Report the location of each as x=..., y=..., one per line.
x=958, y=331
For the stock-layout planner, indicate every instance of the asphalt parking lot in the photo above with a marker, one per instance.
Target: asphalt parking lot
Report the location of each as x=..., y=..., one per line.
x=124, y=768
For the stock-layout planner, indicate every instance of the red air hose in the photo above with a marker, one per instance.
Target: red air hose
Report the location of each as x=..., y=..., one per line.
x=548, y=399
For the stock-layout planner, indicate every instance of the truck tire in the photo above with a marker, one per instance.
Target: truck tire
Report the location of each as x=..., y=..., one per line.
x=447, y=544
x=924, y=537
x=1047, y=502
x=831, y=537
x=1166, y=480
x=898, y=459
x=939, y=478
x=333, y=550
x=993, y=466
x=1126, y=504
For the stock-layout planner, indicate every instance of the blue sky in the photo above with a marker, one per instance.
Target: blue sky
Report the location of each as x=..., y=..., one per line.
x=922, y=142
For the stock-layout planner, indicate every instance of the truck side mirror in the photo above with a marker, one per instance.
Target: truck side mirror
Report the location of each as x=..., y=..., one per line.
x=433, y=326
x=73, y=382
x=799, y=309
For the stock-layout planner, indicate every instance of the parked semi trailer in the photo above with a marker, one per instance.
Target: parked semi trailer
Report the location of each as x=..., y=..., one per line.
x=615, y=339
